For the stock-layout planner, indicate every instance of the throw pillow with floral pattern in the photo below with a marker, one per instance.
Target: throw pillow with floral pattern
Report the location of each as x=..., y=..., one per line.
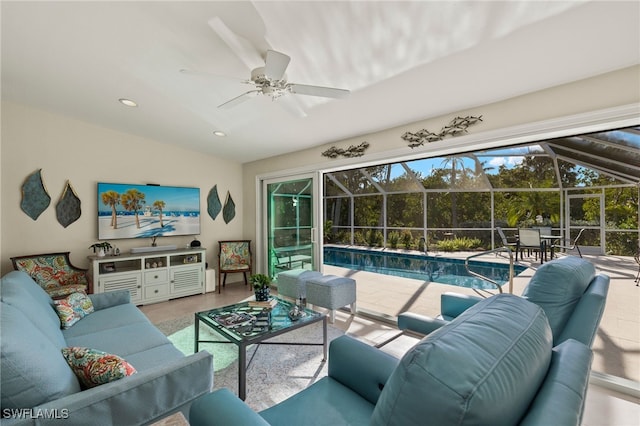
x=93, y=367
x=73, y=308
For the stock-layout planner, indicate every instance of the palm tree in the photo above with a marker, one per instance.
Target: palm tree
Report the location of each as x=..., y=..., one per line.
x=132, y=200
x=527, y=205
x=112, y=198
x=454, y=162
x=159, y=205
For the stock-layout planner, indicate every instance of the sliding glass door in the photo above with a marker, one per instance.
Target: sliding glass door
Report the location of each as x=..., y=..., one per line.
x=290, y=223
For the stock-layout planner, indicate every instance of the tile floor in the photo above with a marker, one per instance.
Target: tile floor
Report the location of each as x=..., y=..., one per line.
x=604, y=407
x=617, y=344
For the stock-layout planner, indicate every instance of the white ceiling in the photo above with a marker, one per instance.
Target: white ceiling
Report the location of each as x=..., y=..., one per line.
x=403, y=62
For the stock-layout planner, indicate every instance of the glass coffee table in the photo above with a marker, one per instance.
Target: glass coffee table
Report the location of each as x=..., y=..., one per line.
x=244, y=325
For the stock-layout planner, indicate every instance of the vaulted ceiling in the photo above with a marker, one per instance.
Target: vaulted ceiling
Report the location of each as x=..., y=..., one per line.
x=402, y=61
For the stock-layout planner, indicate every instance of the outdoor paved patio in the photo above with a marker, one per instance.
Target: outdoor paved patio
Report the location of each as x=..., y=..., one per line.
x=617, y=345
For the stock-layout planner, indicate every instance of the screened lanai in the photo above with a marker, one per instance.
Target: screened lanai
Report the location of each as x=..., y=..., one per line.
x=588, y=181
x=453, y=206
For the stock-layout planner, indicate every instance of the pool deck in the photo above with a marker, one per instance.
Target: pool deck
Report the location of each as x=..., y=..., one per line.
x=617, y=345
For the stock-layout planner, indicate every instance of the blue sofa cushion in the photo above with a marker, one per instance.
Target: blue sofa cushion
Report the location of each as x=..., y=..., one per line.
x=122, y=330
x=33, y=368
x=103, y=320
x=484, y=367
x=557, y=287
x=21, y=292
x=326, y=402
x=152, y=357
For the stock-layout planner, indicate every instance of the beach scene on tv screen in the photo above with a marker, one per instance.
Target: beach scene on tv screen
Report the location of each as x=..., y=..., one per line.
x=147, y=211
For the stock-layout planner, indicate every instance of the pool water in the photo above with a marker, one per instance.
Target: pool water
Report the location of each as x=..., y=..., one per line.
x=421, y=267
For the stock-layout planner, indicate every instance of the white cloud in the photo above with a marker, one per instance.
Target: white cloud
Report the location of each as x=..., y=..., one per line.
x=508, y=162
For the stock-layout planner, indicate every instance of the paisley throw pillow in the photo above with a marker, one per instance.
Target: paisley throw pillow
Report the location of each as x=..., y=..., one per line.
x=94, y=367
x=73, y=308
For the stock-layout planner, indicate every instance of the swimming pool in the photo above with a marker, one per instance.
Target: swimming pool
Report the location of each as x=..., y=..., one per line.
x=420, y=267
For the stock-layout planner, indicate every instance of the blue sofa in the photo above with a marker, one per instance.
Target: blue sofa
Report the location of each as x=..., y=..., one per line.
x=568, y=289
x=38, y=385
x=495, y=364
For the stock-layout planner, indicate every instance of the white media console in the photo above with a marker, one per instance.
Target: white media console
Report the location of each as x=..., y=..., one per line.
x=151, y=277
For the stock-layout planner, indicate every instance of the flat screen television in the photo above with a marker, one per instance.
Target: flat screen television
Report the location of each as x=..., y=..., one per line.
x=147, y=211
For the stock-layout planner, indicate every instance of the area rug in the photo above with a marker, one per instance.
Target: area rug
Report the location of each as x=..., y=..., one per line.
x=275, y=372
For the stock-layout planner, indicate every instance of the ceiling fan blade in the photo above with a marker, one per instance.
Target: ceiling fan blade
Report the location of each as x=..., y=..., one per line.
x=238, y=44
x=275, y=65
x=326, y=92
x=237, y=100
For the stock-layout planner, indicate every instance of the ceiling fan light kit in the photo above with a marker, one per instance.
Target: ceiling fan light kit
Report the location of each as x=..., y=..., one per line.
x=271, y=81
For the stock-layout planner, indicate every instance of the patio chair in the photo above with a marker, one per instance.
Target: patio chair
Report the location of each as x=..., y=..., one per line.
x=234, y=256
x=544, y=230
x=567, y=244
x=505, y=240
x=530, y=240
x=286, y=259
x=54, y=273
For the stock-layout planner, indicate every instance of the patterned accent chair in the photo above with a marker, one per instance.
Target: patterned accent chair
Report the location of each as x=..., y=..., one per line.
x=234, y=256
x=54, y=273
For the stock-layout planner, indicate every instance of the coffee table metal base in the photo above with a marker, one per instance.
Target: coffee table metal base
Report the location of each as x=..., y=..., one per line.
x=242, y=348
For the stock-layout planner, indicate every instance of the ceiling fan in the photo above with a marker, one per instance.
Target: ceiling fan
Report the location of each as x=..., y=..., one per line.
x=271, y=80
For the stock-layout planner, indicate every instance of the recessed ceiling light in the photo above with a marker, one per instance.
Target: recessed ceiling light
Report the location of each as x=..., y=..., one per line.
x=219, y=133
x=127, y=102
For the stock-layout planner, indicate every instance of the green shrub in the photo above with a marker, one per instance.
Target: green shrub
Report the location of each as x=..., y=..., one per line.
x=458, y=244
x=447, y=245
x=343, y=237
x=407, y=239
x=374, y=238
x=328, y=231
x=393, y=239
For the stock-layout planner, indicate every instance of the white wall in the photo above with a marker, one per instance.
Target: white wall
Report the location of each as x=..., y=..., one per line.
x=83, y=153
x=609, y=90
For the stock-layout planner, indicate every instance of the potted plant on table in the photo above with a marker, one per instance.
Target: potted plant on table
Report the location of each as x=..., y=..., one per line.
x=101, y=248
x=261, y=287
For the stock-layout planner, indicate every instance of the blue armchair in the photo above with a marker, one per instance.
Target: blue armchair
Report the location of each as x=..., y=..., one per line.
x=567, y=289
x=494, y=364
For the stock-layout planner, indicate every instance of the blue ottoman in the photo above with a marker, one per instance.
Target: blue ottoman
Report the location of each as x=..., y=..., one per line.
x=332, y=292
x=293, y=283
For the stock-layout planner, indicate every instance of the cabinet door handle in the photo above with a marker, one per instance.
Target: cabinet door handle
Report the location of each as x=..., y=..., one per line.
x=155, y=277
x=155, y=291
